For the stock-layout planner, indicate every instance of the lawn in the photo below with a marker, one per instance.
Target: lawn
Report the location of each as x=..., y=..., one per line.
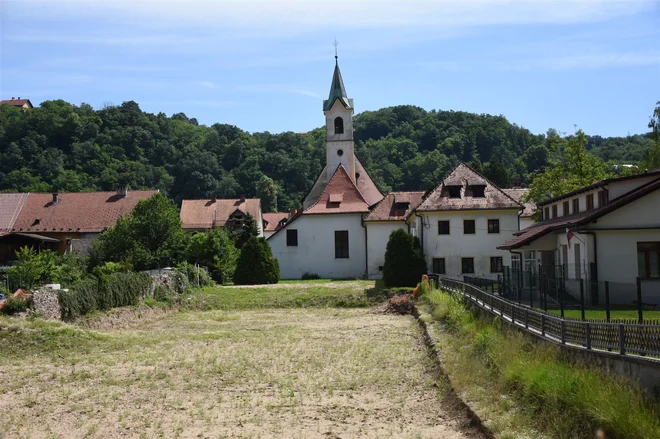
x=247, y=370
x=596, y=314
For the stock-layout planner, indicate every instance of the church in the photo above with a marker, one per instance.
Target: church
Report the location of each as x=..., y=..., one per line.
x=327, y=236
x=344, y=224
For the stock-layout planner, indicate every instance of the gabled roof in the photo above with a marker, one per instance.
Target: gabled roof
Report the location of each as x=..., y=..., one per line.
x=272, y=220
x=542, y=228
x=517, y=194
x=337, y=91
x=16, y=102
x=438, y=199
x=651, y=173
x=10, y=206
x=339, y=186
x=83, y=212
x=210, y=213
x=391, y=208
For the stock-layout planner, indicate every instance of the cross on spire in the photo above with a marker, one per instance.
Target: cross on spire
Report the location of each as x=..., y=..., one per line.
x=336, y=43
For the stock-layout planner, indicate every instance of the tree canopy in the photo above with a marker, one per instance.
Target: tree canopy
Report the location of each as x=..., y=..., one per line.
x=63, y=147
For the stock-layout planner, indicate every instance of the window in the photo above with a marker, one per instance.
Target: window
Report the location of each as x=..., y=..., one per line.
x=648, y=260
x=590, y=201
x=341, y=244
x=339, y=125
x=454, y=191
x=493, y=226
x=478, y=191
x=340, y=152
x=496, y=264
x=602, y=198
x=554, y=211
x=546, y=213
x=469, y=227
x=565, y=208
x=467, y=265
x=443, y=227
x=438, y=265
x=292, y=238
x=576, y=205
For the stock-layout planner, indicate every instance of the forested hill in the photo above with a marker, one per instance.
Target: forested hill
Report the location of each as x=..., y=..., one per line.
x=63, y=147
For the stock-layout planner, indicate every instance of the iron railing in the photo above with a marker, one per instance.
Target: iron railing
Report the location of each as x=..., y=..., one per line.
x=623, y=338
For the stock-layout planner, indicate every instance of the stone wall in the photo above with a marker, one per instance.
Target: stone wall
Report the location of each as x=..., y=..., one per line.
x=46, y=302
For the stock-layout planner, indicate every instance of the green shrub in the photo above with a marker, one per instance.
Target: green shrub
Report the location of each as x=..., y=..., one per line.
x=256, y=265
x=215, y=250
x=404, y=260
x=197, y=276
x=104, y=292
x=310, y=276
x=33, y=268
x=15, y=305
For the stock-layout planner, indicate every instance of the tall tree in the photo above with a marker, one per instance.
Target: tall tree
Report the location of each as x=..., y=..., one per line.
x=652, y=158
x=267, y=192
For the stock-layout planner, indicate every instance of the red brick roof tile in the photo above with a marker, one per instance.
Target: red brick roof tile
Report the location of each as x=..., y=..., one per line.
x=10, y=206
x=340, y=185
x=272, y=220
x=209, y=213
x=388, y=210
x=84, y=212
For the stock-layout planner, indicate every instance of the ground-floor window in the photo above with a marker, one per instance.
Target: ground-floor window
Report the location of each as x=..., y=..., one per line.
x=292, y=238
x=439, y=265
x=341, y=244
x=496, y=264
x=648, y=260
x=467, y=265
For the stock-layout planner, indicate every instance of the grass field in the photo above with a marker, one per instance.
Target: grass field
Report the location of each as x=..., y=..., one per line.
x=246, y=369
x=592, y=314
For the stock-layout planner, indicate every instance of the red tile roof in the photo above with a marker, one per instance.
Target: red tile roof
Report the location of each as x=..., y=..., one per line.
x=10, y=206
x=438, y=198
x=388, y=209
x=209, y=213
x=16, y=102
x=340, y=196
x=517, y=194
x=84, y=212
x=272, y=220
x=580, y=219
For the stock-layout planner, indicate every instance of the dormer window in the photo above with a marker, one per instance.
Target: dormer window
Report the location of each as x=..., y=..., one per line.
x=335, y=200
x=339, y=125
x=478, y=191
x=454, y=191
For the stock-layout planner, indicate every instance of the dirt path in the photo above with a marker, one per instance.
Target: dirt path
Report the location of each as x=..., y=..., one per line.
x=301, y=373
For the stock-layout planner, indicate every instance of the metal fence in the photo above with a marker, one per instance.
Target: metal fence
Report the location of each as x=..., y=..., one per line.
x=624, y=338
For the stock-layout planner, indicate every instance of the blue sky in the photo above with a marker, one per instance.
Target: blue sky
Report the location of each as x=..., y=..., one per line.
x=267, y=65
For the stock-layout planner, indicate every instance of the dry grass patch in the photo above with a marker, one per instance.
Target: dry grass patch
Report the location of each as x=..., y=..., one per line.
x=275, y=373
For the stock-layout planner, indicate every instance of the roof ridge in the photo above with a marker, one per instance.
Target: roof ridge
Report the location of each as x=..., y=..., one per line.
x=325, y=189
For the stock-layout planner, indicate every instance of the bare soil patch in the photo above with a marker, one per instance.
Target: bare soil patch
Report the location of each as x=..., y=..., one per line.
x=294, y=373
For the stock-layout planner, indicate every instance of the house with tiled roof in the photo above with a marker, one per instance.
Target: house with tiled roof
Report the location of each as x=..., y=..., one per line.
x=274, y=221
x=22, y=103
x=608, y=231
x=327, y=237
x=460, y=223
x=61, y=221
x=205, y=214
x=391, y=213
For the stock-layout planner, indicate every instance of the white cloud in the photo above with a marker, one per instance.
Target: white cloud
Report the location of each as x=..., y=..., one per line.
x=278, y=89
x=212, y=104
x=207, y=84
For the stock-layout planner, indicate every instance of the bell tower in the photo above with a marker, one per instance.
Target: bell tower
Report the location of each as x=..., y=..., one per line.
x=338, y=110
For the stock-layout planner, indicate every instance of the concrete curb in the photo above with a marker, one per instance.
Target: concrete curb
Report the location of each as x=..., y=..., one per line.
x=471, y=419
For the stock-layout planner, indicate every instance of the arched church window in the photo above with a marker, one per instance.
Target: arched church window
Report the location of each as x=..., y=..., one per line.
x=339, y=125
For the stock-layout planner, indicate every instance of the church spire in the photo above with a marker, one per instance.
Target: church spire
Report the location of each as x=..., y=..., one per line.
x=337, y=89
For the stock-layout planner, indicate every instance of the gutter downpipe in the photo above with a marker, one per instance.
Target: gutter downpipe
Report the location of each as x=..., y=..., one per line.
x=366, y=249
x=595, y=254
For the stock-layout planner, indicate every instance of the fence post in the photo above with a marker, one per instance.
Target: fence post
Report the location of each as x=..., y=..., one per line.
x=582, y=298
x=607, y=300
x=561, y=302
x=526, y=319
x=622, y=339
x=545, y=295
x=640, y=313
x=543, y=325
x=563, y=332
x=588, y=335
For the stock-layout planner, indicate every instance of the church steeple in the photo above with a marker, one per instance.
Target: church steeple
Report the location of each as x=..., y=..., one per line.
x=337, y=91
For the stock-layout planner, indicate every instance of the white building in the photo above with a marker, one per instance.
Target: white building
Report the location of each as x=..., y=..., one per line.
x=461, y=222
x=391, y=213
x=326, y=237
x=614, y=230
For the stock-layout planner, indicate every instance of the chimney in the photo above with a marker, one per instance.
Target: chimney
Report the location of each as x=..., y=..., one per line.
x=292, y=212
x=122, y=191
x=242, y=198
x=56, y=198
x=18, y=97
x=214, y=199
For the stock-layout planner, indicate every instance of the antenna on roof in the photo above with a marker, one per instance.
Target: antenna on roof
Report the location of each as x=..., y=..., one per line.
x=336, y=43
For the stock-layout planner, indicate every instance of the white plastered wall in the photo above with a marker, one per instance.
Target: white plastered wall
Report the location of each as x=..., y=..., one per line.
x=378, y=234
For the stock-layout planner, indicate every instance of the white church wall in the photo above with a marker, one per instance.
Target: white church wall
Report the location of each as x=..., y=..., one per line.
x=315, y=252
x=378, y=233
